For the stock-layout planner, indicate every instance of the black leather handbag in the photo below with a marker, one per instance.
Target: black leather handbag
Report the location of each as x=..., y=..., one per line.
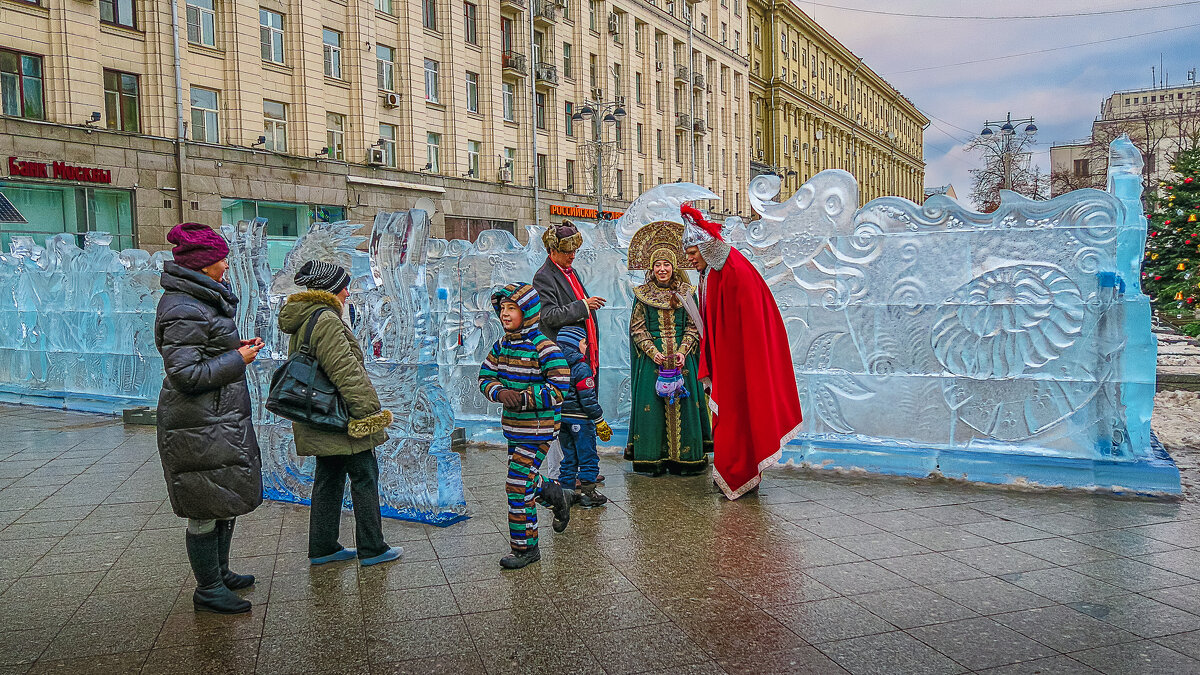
x=302, y=392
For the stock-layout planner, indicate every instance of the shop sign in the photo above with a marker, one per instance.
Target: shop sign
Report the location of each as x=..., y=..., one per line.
x=582, y=212
x=58, y=171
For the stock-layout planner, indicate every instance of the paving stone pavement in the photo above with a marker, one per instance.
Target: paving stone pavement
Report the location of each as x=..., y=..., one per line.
x=817, y=574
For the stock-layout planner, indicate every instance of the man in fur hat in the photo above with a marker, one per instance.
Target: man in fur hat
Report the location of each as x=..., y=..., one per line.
x=565, y=301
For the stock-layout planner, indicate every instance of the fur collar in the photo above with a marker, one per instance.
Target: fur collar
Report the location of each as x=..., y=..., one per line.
x=318, y=297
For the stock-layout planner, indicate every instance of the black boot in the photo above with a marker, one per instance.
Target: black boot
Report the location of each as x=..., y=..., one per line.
x=590, y=497
x=211, y=594
x=225, y=535
x=518, y=559
x=559, y=500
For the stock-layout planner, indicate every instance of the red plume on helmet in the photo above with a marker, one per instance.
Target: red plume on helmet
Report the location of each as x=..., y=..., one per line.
x=697, y=218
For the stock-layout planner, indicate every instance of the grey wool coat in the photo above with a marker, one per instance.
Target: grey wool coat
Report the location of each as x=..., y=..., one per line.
x=206, y=440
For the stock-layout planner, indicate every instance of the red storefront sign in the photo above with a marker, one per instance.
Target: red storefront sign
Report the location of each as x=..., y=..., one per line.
x=582, y=212
x=58, y=171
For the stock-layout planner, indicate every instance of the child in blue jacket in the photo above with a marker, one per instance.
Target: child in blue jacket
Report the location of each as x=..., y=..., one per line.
x=582, y=421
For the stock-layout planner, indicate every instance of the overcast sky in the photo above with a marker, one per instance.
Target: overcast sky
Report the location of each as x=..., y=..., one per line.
x=1061, y=89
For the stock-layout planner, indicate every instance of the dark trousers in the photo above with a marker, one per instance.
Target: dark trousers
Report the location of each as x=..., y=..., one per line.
x=329, y=488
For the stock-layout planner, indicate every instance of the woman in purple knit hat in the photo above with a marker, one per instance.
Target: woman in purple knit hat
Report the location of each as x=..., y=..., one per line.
x=206, y=438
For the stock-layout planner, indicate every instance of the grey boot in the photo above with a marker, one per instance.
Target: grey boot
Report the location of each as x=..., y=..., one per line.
x=232, y=580
x=590, y=497
x=211, y=593
x=518, y=559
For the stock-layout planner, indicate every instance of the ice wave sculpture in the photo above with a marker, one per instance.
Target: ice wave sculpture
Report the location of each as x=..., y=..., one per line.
x=420, y=478
x=77, y=325
x=1006, y=347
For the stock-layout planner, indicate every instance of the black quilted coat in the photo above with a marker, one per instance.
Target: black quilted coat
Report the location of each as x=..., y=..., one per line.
x=206, y=438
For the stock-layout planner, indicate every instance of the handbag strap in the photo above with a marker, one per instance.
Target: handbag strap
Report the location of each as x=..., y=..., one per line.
x=308, y=330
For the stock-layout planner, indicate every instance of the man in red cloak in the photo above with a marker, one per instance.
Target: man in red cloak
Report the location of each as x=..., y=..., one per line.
x=744, y=358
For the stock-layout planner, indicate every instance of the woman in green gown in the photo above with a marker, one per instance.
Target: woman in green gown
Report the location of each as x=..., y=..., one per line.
x=663, y=436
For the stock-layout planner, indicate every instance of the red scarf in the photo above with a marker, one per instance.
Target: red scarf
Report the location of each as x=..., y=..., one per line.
x=593, y=355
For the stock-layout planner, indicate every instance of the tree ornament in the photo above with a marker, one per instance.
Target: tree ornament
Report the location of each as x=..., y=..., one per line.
x=1179, y=295
x=1154, y=256
x=1158, y=277
x=1181, y=267
x=1192, y=218
x=1188, y=180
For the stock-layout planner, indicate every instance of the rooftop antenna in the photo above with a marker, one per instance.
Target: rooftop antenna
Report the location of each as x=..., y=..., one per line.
x=1153, y=78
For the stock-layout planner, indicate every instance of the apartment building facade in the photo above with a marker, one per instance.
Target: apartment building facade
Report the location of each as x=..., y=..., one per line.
x=1160, y=121
x=132, y=115
x=815, y=105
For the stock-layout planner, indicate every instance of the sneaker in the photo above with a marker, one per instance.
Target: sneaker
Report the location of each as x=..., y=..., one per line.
x=337, y=556
x=518, y=559
x=389, y=555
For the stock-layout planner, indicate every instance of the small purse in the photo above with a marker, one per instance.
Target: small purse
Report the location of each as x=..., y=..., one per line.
x=670, y=385
x=302, y=392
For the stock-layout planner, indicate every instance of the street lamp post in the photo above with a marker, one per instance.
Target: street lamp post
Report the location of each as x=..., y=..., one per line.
x=599, y=113
x=1008, y=146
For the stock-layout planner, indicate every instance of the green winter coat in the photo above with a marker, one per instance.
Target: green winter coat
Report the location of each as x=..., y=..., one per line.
x=341, y=358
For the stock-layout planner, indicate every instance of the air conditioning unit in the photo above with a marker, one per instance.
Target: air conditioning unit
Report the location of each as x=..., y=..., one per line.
x=505, y=174
x=658, y=66
x=760, y=154
x=376, y=156
x=597, y=94
x=614, y=23
x=391, y=100
x=619, y=100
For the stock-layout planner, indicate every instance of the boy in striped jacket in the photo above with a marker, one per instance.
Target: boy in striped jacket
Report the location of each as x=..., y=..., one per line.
x=527, y=374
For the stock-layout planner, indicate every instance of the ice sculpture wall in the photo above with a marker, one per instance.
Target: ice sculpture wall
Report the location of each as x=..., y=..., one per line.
x=78, y=331
x=1005, y=347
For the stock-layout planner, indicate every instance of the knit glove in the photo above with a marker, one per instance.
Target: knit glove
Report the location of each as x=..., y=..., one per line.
x=603, y=431
x=510, y=398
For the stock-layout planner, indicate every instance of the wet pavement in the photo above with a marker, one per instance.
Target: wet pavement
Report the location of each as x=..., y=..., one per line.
x=817, y=574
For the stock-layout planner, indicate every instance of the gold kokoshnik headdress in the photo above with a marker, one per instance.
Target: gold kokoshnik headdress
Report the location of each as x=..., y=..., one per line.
x=660, y=240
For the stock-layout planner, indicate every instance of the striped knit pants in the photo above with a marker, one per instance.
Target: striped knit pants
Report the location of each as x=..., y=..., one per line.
x=523, y=487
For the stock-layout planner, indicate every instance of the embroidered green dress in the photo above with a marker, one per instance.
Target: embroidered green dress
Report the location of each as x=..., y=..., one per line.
x=662, y=437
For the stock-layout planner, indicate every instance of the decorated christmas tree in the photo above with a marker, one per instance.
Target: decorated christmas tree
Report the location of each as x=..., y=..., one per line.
x=1171, y=274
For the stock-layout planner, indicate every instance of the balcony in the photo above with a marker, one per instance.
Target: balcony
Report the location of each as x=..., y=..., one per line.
x=683, y=121
x=699, y=126
x=513, y=63
x=546, y=73
x=698, y=80
x=544, y=11
x=512, y=4
x=681, y=73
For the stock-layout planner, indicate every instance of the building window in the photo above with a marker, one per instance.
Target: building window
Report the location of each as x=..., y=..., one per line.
x=202, y=22
x=385, y=61
x=474, y=150
x=539, y=109
x=618, y=136
x=640, y=147
x=21, y=85
x=429, y=14
x=510, y=161
x=724, y=32
x=593, y=11
x=566, y=10
x=658, y=141
x=384, y=6
x=641, y=183
x=387, y=141
x=204, y=116
x=510, y=102
x=118, y=12
x=568, y=123
x=472, y=92
x=471, y=22
x=637, y=87
x=335, y=136
x=1082, y=168
x=658, y=95
x=121, y=101
x=332, y=46
x=469, y=229
x=431, y=80
x=593, y=70
x=570, y=175
x=270, y=29
x=275, y=125
x=620, y=183
x=433, y=152
x=541, y=171
x=566, y=60
x=737, y=41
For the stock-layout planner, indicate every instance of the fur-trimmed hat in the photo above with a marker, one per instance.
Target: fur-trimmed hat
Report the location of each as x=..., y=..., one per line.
x=564, y=237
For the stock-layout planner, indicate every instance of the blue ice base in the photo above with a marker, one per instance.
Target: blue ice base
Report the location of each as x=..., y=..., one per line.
x=66, y=400
x=443, y=519
x=1154, y=475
